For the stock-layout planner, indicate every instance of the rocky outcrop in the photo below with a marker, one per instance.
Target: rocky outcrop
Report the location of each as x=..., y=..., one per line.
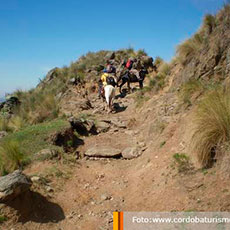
x=46, y=154
x=13, y=185
x=66, y=138
x=48, y=78
x=9, y=105
x=209, y=60
x=107, y=152
x=74, y=81
x=110, y=55
x=131, y=152
x=83, y=127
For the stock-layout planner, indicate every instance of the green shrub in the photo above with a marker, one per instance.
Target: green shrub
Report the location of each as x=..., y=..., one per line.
x=212, y=125
x=182, y=162
x=3, y=218
x=162, y=144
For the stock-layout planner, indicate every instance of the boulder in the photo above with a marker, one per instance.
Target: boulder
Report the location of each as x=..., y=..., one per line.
x=83, y=104
x=118, y=123
x=103, y=152
x=103, y=127
x=83, y=127
x=131, y=152
x=13, y=185
x=46, y=154
x=9, y=104
x=74, y=81
x=51, y=74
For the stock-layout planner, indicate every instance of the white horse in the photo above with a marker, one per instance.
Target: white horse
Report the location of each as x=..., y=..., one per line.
x=109, y=96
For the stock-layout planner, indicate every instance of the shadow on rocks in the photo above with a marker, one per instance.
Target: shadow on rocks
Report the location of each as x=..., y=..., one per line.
x=32, y=206
x=118, y=108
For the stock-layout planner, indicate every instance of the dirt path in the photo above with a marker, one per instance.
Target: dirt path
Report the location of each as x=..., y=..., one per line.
x=97, y=187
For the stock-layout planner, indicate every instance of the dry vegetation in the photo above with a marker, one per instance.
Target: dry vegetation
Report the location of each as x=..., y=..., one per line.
x=11, y=156
x=212, y=122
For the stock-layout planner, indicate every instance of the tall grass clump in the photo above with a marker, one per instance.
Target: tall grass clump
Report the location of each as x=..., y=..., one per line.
x=47, y=108
x=4, y=124
x=11, y=156
x=209, y=23
x=36, y=107
x=16, y=123
x=187, y=50
x=212, y=125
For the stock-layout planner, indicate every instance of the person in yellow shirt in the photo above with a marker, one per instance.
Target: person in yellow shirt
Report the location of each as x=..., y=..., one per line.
x=103, y=78
x=102, y=83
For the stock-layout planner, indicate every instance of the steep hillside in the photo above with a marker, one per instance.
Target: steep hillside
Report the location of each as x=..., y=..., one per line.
x=206, y=55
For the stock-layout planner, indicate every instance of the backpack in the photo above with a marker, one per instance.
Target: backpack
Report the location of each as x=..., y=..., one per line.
x=111, y=69
x=110, y=81
x=129, y=64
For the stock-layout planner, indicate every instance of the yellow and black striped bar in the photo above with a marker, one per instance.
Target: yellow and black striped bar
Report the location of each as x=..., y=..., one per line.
x=117, y=220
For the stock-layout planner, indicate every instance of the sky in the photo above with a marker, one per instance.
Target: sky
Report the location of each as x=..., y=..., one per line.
x=38, y=35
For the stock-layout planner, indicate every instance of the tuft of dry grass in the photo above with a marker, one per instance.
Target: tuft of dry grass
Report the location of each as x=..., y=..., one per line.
x=188, y=49
x=209, y=23
x=164, y=69
x=11, y=156
x=158, y=61
x=4, y=124
x=36, y=107
x=212, y=125
x=16, y=123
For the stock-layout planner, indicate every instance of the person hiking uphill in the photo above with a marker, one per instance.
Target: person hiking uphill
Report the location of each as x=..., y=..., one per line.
x=134, y=67
x=110, y=68
x=102, y=83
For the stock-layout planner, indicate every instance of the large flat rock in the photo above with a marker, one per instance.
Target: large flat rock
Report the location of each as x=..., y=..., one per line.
x=13, y=185
x=103, y=152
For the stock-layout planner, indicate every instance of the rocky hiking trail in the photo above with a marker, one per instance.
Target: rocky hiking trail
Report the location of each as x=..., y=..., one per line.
x=100, y=181
x=124, y=168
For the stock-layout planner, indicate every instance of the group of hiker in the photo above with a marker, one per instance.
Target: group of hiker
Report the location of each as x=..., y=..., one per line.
x=109, y=76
